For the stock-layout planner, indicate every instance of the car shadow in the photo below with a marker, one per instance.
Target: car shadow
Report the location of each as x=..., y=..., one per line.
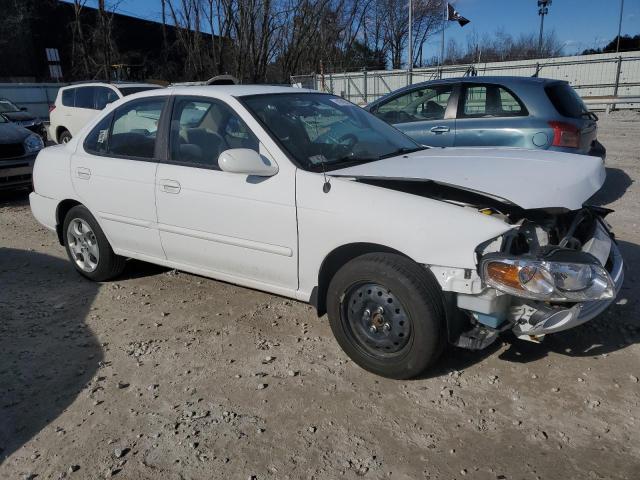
x=47, y=352
x=615, y=186
x=15, y=198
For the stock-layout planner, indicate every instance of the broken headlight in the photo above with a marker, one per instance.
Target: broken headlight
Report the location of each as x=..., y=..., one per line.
x=547, y=280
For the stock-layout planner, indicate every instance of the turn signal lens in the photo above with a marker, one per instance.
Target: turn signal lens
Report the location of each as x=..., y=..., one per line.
x=504, y=273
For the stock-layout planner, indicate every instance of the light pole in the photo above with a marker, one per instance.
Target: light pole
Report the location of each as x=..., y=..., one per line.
x=543, y=9
x=619, y=26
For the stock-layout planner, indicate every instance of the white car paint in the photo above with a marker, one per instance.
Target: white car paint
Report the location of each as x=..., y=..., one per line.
x=274, y=232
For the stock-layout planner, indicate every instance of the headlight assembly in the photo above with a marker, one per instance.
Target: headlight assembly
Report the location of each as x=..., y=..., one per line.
x=547, y=280
x=33, y=143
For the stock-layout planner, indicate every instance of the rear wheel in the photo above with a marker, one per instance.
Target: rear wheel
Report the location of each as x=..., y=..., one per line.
x=387, y=314
x=64, y=137
x=88, y=248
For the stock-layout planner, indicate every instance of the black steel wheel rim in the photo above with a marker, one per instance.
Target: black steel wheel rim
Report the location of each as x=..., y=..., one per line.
x=375, y=320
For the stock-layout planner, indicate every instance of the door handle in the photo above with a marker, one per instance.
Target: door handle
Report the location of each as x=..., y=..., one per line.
x=170, y=186
x=83, y=173
x=440, y=129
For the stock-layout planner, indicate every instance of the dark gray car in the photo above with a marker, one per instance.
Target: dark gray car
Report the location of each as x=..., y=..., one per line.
x=493, y=111
x=18, y=150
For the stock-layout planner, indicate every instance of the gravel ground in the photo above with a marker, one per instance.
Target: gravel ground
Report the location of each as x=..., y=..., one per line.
x=164, y=374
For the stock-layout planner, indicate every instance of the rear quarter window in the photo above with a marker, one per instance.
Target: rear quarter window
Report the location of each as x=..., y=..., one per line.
x=566, y=101
x=68, y=97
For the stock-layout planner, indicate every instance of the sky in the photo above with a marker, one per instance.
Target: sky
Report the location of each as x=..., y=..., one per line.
x=578, y=24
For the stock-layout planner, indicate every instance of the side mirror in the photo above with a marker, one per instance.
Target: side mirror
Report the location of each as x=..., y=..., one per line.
x=23, y=109
x=247, y=162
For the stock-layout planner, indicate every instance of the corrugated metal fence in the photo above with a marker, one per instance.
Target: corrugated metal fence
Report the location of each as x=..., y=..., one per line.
x=597, y=75
x=36, y=97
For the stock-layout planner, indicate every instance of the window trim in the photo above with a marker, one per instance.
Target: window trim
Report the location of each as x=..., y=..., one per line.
x=160, y=136
x=460, y=115
x=197, y=98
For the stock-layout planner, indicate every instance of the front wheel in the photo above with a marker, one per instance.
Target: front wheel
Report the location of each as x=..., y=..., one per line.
x=88, y=247
x=387, y=314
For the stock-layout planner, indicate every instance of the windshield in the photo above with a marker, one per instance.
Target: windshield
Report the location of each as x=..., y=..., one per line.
x=7, y=106
x=324, y=131
x=131, y=90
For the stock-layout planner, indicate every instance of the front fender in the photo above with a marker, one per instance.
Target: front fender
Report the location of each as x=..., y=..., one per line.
x=426, y=230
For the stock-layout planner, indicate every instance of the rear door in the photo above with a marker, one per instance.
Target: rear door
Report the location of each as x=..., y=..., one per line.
x=426, y=114
x=492, y=116
x=114, y=171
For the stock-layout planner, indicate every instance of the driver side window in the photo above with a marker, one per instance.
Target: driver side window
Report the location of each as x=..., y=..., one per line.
x=429, y=103
x=202, y=129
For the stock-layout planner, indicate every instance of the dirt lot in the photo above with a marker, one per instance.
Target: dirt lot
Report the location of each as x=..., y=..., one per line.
x=164, y=374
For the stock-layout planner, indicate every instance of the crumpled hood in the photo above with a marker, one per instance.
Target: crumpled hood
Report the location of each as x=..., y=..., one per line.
x=527, y=178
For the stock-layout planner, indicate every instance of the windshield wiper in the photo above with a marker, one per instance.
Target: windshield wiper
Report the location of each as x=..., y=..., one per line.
x=402, y=151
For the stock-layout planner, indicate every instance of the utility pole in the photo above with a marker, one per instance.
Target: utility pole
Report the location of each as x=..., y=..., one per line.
x=543, y=9
x=619, y=26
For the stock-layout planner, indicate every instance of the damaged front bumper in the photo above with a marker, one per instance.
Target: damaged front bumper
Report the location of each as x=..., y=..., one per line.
x=533, y=320
x=492, y=310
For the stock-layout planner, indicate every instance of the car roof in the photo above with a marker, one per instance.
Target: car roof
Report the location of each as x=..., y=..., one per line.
x=236, y=90
x=506, y=80
x=110, y=84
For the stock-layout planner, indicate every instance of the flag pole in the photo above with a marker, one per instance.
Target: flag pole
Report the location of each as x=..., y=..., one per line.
x=444, y=24
x=410, y=42
x=619, y=26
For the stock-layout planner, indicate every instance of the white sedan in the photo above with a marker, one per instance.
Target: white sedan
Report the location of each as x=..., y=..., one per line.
x=306, y=195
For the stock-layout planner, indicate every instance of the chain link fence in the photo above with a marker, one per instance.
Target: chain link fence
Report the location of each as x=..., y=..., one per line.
x=595, y=77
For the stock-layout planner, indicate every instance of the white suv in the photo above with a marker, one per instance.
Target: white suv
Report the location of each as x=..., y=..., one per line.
x=305, y=195
x=77, y=104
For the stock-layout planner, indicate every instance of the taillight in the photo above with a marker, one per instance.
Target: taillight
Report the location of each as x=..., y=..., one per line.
x=52, y=108
x=565, y=135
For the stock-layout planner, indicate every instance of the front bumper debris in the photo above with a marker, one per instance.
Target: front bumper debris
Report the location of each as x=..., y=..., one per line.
x=535, y=320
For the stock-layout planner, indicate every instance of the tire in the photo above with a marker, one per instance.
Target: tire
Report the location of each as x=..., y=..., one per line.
x=87, y=247
x=64, y=137
x=410, y=329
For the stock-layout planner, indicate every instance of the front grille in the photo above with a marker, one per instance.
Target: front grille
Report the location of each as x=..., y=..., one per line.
x=11, y=150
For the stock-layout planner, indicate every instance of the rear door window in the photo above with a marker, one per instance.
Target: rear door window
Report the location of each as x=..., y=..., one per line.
x=566, y=101
x=84, y=97
x=97, y=142
x=135, y=127
x=68, y=97
x=489, y=101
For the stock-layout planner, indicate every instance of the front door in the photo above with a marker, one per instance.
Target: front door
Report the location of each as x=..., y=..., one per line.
x=114, y=175
x=229, y=226
x=426, y=114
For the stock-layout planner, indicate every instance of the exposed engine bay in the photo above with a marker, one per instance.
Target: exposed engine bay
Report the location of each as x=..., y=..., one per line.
x=555, y=269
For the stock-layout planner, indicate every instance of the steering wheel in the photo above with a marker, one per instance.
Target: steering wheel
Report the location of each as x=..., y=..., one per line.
x=348, y=140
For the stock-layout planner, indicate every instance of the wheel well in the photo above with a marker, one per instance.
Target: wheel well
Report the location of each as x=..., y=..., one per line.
x=61, y=212
x=59, y=131
x=332, y=263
